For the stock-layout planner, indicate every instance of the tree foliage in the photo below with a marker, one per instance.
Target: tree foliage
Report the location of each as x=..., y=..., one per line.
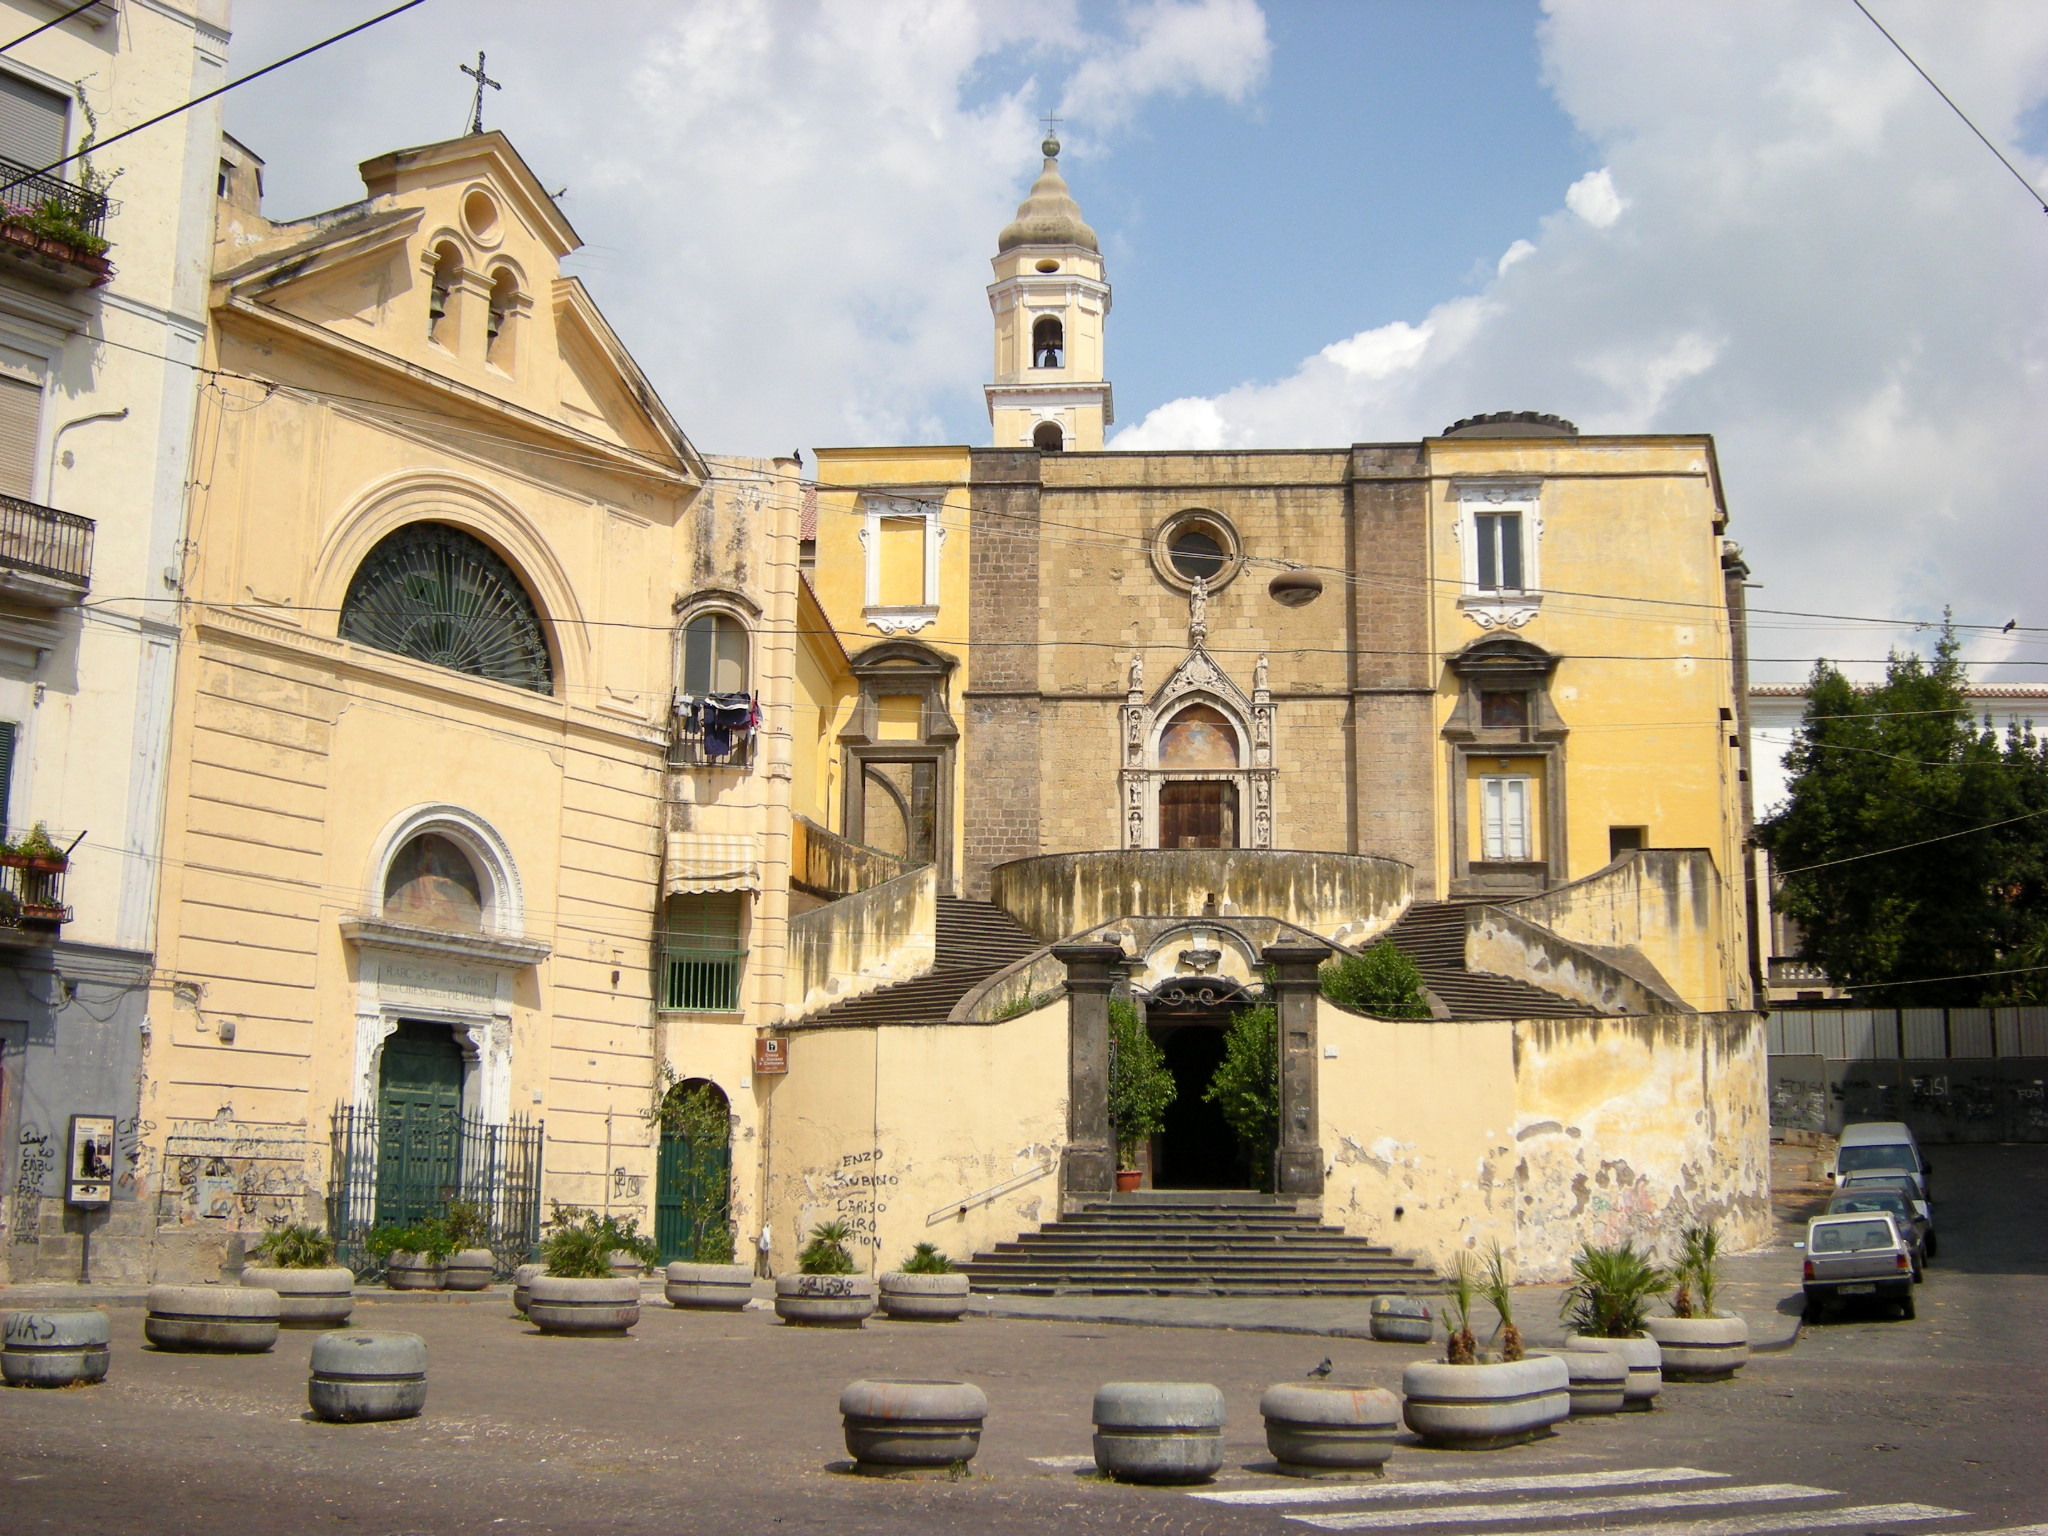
x=1141, y=1086
x=1882, y=888
x=1382, y=981
x=1246, y=1085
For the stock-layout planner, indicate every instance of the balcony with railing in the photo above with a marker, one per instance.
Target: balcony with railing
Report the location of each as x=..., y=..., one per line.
x=51, y=230
x=693, y=744
x=45, y=555
x=32, y=908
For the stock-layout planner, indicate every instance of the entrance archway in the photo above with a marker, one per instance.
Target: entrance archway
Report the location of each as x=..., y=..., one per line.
x=693, y=1175
x=419, y=1123
x=1197, y=1149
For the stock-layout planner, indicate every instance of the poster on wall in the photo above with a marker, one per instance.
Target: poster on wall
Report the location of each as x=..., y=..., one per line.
x=90, y=1179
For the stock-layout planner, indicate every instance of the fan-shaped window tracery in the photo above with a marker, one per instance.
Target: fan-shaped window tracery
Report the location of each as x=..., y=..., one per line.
x=439, y=595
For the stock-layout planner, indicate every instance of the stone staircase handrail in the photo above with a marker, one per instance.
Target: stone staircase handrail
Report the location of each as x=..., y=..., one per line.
x=1501, y=942
x=864, y=942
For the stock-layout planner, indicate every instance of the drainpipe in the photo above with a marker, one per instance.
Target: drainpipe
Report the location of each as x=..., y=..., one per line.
x=1734, y=573
x=50, y=481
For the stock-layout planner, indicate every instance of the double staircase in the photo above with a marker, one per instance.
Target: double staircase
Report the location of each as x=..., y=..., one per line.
x=1200, y=1243
x=975, y=939
x=1432, y=934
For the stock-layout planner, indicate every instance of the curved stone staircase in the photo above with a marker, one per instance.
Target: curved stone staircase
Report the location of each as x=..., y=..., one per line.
x=1432, y=934
x=975, y=939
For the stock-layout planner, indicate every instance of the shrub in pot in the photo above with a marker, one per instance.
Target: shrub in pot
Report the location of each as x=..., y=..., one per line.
x=1460, y=1403
x=1141, y=1087
x=1699, y=1342
x=472, y=1264
x=313, y=1291
x=1606, y=1307
x=580, y=1294
x=926, y=1288
x=415, y=1257
x=825, y=1292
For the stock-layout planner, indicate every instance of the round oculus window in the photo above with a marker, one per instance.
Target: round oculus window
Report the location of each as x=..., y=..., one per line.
x=1196, y=552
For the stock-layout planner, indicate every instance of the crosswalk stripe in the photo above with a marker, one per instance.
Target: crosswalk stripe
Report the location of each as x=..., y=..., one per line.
x=1541, y=1509
x=1789, y=1520
x=1536, y=1482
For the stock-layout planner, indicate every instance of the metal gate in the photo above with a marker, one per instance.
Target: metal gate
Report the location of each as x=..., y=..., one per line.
x=692, y=1195
x=442, y=1158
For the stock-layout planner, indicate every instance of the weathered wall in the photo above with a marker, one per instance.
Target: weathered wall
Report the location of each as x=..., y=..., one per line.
x=890, y=1129
x=1499, y=941
x=1343, y=897
x=1670, y=905
x=863, y=942
x=1947, y=1099
x=1544, y=1134
x=828, y=864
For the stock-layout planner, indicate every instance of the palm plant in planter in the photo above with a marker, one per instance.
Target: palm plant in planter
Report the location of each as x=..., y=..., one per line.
x=925, y=1288
x=415, y=1256
x=1466, y=1404
x=825, y=1292
x=1606, y=1306
x=1141, y=1087
x=297, y=1262
x=580, y=1294
x=1699, y=1342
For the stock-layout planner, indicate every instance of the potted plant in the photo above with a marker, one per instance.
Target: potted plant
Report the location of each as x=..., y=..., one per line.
x=926, y=1288
x=1699, y=1342
x=415, y=1256
x=825, y=1292
x=1464, y=1403
x=580, y=1293
x=1140, y=1088
x=472, y=1264
x=1605, y=1308
x=297, y=1262
x=34, y=849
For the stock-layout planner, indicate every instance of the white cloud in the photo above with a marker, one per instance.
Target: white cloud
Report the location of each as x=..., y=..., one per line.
x=1593, y=198
x=1513, y=254
x=1173, y=47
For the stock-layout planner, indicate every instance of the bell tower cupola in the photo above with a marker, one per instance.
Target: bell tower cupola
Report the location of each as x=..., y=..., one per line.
x=1049, y=300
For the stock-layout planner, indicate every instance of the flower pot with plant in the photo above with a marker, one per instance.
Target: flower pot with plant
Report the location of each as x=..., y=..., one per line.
x=1460, y=1403
x=472, y=1264
x=580, y=1294
x=1699, y=1342
x=1605, y=1309
x=825, y=1292
x=926, y=1289
x=415, y=1257
x=313, y=1291
x=1141, y=1087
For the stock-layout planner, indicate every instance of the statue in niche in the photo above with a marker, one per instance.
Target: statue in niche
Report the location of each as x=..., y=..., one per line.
x=1198, y=613
x=1259, y=675
x=1137, y=671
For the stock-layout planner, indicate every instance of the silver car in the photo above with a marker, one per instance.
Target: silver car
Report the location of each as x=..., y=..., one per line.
x=1860, y=1257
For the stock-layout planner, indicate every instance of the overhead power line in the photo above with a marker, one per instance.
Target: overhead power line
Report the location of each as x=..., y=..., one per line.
x=54, y=21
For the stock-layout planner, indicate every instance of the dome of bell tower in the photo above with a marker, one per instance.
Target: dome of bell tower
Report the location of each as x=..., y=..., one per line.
x=1049, y=216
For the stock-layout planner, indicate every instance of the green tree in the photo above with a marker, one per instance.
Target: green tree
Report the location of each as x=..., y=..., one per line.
x=1912, y=844
x=1382, y=981
x=1246, y=1085
x=1140, y=1084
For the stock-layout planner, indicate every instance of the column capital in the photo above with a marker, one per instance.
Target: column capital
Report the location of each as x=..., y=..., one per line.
x=1091, y=967
x=1295, y=965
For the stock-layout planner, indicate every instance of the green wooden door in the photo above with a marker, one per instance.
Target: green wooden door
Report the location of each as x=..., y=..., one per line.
x=419, y=1133
x=692, y=1185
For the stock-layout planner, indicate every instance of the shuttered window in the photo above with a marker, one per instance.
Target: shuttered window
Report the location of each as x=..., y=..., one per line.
x=1504, y=819
x=31, y=123
x=21, y=416
x=7, y=733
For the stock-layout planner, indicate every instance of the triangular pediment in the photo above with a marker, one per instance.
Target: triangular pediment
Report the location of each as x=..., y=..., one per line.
x=1199, y=673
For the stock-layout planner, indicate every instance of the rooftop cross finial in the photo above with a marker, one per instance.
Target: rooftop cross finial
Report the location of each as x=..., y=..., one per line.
x=476, y=110
x=1051, y=146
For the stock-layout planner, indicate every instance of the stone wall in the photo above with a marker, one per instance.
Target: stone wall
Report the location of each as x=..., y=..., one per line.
x=1667, y=904
x=864, y=942
x=1499, y=941
x=827, y=865
x=1001, y=788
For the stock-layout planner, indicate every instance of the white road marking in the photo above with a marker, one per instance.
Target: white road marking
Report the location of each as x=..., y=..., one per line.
x=1789, y=1520
x=1536, y=1482
x=1063, y=1463
x=1541, y=1509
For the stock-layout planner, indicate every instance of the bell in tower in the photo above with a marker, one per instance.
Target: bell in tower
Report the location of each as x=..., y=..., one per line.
x=1049, y=301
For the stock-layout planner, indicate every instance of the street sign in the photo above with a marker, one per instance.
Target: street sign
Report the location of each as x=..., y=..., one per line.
x=770, y=1056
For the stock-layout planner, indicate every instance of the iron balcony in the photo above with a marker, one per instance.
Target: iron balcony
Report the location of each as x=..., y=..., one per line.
x=45, y=555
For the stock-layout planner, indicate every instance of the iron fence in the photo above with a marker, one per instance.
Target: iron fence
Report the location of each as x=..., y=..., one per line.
x=701, y=980
x=46, y=541
x=406, y=1162
x=32, y=893
x=687, y=748
x=24, y=194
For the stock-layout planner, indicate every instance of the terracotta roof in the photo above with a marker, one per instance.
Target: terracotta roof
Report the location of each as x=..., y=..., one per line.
x=807, y=520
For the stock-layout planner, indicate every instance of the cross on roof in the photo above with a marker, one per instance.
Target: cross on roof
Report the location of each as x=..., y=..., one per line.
x=1052, y=125
x=476, y=111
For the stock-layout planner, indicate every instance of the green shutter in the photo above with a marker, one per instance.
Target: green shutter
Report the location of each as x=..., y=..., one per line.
x=7, y=730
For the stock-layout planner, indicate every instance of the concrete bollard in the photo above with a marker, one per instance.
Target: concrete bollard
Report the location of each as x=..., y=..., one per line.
x=924, y=1298
x=1645, y=1361
x=218, y=1319
x=1402, y=1320
x=903, y=1428
x=307, y=1298
x=1159, y=1431
x=522, y=1286
x=709, y=1287
x=361, y=1377
x=1599, y=1379
x=470, y=1270
x=825, y=1301
x=585, y=1308
x=1333, y=1432
x=54, y=1349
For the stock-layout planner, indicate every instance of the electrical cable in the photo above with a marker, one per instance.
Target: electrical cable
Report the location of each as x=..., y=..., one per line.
x=54, y=21
x=1878, y=853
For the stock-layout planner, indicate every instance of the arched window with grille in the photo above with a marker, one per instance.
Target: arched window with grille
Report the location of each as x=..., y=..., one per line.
x=437, y=594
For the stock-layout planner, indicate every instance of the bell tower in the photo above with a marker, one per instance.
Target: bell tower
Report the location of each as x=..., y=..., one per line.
x=1049, y=300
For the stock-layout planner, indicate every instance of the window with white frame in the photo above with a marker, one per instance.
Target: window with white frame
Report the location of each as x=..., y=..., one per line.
x=1505, y=825
x=1499, y=529
x=900, y=537
x=1498, y=536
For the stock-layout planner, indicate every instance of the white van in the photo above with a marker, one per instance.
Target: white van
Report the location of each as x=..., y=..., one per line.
x=1880, y=1146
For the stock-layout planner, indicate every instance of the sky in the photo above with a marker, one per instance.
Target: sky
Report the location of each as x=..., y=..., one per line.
x=1325, y=221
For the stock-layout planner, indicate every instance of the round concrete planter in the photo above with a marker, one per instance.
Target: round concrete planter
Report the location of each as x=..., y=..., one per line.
x=1402, y=1320
x=709, y=1287
x=825, y=1301
x=1325, y=1431
x=470, y=1270
x=221, y=1319
x=1645, y=1363
x=1599, y=1381
x=901, y=1428
x=522, y=1285
x=1701, y=1348
x=360, y=1377
x=625, y=1266
x=1484, y=1407
x=924, y=1298
x=592, y=1308
x=1159, y=1431
x=415, y=1272
x=307, y=1298
x=54, y=1349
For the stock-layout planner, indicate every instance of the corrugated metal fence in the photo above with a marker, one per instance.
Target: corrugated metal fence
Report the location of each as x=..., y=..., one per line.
x=1912, y=1034
x=1953, y=1074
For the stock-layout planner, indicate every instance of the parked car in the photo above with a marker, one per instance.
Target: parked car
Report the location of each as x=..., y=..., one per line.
x=1880, y=1146
x=1855, y=1200
x=1905, y=1184
x=1857, y=1257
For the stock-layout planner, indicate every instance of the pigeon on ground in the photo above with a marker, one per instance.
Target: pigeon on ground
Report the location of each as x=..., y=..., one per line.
x=1323, y=1369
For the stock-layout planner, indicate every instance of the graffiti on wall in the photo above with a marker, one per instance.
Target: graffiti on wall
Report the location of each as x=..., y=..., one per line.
x=248, y=1177
x=853, y=1192
x=36, y=1156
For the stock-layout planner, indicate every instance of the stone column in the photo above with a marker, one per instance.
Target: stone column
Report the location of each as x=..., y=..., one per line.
x=1299, y=1160
x=1088, y=1162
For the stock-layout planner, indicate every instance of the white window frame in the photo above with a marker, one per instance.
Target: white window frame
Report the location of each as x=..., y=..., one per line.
x=1495, y=845
x=1499, y=607
x=902, y=619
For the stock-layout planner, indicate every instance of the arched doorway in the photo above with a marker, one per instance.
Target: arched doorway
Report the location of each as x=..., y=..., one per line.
x=1197, y=1149
x=693, y=1175
x=419, y=1123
